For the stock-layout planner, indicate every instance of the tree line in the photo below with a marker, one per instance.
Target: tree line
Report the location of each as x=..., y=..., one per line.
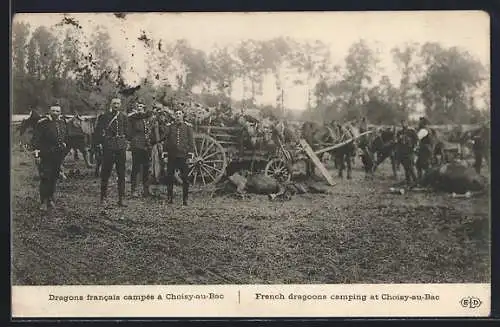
x=83, y=70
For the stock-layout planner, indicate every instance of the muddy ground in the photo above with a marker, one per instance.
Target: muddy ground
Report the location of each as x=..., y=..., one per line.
x=357, y=234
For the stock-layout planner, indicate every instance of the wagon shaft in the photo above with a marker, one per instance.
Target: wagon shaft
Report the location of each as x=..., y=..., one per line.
x=341, y=144
x=307, y=148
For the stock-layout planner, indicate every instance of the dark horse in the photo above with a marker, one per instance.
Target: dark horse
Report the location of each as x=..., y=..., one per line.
x=377, y=147
x=79, y=137
x=318, y=136
x=28, y=125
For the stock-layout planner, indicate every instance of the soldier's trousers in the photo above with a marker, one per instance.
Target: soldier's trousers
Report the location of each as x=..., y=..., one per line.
x=409, y=167
x=478, y=161
x=50, y=166
x=140, y=158
x=181, y=164
x=112, y=158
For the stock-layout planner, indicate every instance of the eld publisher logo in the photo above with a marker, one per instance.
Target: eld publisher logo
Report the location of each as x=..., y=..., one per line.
x=470, y=302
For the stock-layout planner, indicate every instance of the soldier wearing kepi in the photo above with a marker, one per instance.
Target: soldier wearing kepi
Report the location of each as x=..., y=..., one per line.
x=139, y=134
x=111, y=137
x=179, y=145
x=50, y=139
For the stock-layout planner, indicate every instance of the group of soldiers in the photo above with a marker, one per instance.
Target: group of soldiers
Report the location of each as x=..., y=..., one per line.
x=421, y=144
x=407, y=144
x=144, y=129
x=115, y=132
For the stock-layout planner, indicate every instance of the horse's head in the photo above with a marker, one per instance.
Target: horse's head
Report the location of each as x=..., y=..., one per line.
x=382, y=138
x=30, y=122
x=388, y=134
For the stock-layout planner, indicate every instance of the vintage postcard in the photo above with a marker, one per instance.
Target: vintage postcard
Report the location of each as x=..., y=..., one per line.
x=298, y=164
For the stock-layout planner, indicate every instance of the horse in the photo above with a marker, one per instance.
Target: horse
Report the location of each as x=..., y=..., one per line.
x=79, y=137
x=377, y=147
x=28, y=124
x=318, y=135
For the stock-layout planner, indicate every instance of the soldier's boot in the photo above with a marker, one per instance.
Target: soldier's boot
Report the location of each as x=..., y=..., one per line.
x=121, y=203
x=185, y=190
x=50, y=203
x=104, y=197
x=121, y=193
x=145, y=190
x=133, y=189
x=170, y=192
x=43, y=205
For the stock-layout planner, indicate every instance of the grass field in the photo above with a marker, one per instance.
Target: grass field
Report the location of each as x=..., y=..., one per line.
x=357, y=234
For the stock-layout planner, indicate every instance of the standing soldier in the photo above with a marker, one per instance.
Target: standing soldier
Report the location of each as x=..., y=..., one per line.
x=481, y=147
x=49, y=140
x=179, y=144
x=406, y=141
x=140, y=144
x=111, y=138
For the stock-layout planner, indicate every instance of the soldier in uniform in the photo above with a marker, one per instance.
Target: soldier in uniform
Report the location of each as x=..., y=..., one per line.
x=405, y=147
x=49, y=140
x=110, y=134
x=139, y=134
x=481, y=147
x=179, y=145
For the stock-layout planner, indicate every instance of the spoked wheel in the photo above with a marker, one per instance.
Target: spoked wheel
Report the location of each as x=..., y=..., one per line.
x=209, y=162
x=278, y=169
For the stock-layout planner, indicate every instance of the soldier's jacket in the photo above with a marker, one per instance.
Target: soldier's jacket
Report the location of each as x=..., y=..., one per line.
x=407, y=136
x=139, y=131
x=479, y=140
x=110, y=132
x=179, y=139
x=50, y=134
x=407, y=140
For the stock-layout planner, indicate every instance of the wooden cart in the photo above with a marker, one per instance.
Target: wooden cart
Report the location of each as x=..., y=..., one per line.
x=220, y=150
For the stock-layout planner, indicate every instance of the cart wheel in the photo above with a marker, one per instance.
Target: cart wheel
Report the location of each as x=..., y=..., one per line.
x=278, y=169
x=209, y=162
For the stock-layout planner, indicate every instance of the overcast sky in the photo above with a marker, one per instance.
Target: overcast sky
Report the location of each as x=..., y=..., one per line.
x=384, y=30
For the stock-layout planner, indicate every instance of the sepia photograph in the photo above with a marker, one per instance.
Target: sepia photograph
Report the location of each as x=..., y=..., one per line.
x=250, y=148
